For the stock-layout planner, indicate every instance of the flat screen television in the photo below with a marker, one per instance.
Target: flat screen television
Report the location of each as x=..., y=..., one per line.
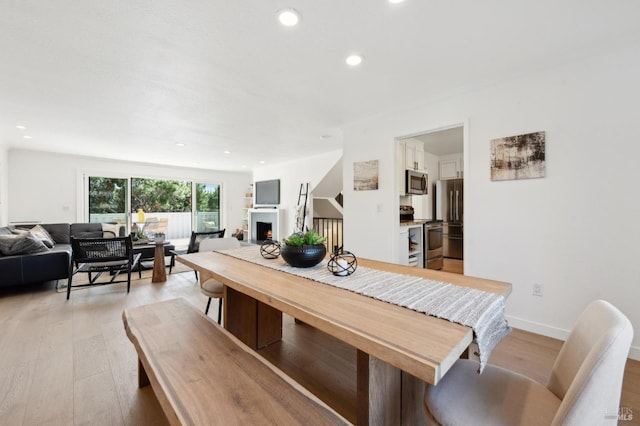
x=267, y=193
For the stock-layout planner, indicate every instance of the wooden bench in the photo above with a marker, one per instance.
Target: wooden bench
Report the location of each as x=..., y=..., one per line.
x=203, y=375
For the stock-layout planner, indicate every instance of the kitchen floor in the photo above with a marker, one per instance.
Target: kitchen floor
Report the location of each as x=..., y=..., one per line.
x=453, y=265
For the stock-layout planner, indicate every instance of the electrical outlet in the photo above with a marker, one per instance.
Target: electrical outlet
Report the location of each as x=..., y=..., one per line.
x=536, y=289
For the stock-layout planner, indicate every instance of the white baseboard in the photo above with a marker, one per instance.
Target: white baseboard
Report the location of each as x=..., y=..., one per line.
x=556, y=333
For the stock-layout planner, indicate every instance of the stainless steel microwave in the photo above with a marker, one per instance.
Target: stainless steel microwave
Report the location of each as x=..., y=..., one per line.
x=416, y=183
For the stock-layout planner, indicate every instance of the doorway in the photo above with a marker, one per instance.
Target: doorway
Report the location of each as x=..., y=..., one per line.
x=440, y=154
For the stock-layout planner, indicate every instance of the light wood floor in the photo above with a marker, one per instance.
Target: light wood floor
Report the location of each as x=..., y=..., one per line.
x=453, y=265
x=70, y=362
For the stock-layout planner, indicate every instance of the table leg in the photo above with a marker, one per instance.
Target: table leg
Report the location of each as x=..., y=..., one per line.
x=379, y=392
x=254, y=323
x=159, y=270
x=412, y=400
x=143, y=379
x=387, y=395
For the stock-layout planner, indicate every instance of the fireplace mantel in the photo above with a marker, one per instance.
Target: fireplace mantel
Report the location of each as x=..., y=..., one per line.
x=275, y=216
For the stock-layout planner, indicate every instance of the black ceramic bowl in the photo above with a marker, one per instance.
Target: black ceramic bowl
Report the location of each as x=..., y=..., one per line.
x=303, y=256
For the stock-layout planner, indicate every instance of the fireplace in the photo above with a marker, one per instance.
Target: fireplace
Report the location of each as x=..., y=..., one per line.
x=264, y=231
x=264, y=224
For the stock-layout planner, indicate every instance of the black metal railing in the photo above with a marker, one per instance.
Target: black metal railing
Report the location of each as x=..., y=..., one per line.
x=331, y=229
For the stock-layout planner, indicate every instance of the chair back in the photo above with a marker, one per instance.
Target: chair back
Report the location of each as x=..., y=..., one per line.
x=212, y=244
x=197, y=237
x=587, y=374
x=88, y=250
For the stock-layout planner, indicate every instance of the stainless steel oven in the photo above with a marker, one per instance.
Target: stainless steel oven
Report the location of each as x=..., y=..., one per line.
x=416, y=183
x=433, y=245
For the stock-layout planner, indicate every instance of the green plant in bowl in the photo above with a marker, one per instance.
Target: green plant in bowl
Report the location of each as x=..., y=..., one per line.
x=303, y=250
x=309, y=238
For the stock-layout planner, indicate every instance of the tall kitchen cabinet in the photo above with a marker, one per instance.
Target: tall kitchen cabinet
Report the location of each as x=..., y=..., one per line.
x=411, y=245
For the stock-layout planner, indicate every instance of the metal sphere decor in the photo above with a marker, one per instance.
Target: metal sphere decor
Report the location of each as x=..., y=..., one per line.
x=270, y=249
x=342, y=263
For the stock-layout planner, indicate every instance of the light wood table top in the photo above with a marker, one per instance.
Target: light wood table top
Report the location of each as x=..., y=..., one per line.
x=423, y=346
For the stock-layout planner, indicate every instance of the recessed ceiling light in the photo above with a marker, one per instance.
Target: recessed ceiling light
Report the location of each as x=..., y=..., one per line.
x=395, y=1
x=227, y=152
x=179, y=144
x=261, y=161
x=21, y=127
x=288, y=17
x=354, y=60
x=27, y=137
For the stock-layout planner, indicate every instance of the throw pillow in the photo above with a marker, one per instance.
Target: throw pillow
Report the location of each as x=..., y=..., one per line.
x=11, y=245
x=44, y=236
x=6, y=242
x=110, y=230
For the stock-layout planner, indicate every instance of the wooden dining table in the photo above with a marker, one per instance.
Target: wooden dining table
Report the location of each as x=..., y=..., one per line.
x=398, y=349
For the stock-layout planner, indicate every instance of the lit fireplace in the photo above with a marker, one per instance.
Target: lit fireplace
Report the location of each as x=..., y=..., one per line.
x=264, y=231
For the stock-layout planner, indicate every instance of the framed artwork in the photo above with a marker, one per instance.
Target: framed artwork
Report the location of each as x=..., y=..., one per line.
x=365, y=175
x=518, y=157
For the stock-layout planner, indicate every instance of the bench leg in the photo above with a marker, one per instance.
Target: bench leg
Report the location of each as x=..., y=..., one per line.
x=143, y=379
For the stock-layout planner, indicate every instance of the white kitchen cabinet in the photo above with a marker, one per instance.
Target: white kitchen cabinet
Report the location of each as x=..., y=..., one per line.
x=414, y=156
x=411, y=156
x=410, y=248
x=451, y=168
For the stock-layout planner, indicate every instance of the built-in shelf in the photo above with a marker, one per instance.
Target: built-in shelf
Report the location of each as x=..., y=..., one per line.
x=411, y=246
x=248, y=204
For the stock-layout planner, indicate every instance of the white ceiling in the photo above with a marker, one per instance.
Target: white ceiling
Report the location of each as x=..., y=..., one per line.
x=129, y=80
x=442, y=142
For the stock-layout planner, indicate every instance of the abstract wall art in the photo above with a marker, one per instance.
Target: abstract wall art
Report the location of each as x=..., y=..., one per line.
x=518, y=157
x=365, y=175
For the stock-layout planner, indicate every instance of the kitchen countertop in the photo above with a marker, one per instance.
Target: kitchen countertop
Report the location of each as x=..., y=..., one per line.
x=412, y=222
x=417, y=222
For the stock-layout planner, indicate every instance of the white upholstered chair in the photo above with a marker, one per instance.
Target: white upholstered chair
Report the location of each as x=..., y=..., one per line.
x=584, y=387
x=212, y=287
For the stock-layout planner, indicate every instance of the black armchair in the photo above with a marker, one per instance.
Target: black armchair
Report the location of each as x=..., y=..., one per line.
x=197, y=237
x=98, y=255
x=194, y=243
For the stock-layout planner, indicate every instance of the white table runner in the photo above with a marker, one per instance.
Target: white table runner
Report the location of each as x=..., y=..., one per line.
x=482, y=311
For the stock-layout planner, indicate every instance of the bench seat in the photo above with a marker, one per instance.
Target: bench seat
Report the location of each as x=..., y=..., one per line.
x=203, y=375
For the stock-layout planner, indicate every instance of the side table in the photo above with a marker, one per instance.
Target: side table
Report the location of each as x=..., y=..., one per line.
x=159, y=269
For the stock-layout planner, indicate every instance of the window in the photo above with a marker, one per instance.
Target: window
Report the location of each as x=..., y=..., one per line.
x=107, y=200
x=182, y=205
x=160, y=196
x=207, y=211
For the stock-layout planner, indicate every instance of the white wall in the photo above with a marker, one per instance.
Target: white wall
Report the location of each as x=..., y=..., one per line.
x=4, y=185
x=48, y=187
x=576, y=231
x=291, y=175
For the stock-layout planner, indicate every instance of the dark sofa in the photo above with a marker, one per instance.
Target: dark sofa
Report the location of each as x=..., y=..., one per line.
x=49, y=265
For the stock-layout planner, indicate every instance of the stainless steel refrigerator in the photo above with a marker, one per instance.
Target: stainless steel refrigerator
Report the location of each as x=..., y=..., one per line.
x=450, y=210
